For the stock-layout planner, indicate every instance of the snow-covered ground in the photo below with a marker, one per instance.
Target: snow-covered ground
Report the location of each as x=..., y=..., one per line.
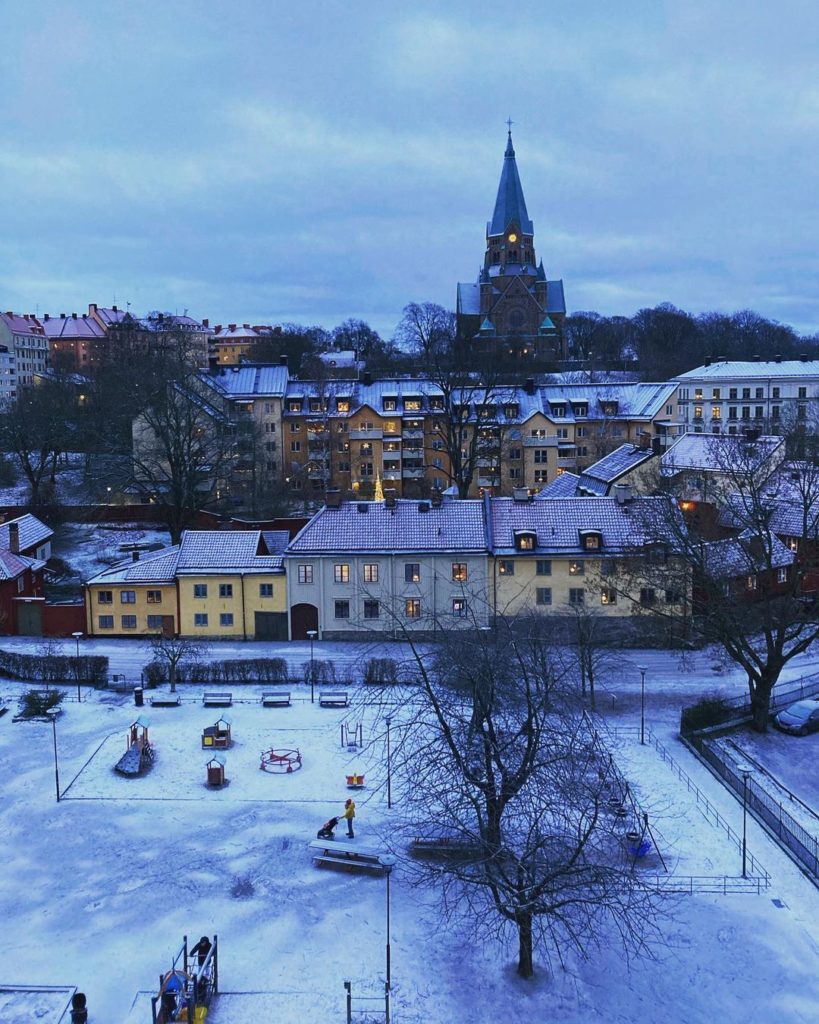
x=97, y=891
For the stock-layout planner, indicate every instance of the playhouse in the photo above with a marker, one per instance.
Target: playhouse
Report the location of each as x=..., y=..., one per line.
x=217, y=735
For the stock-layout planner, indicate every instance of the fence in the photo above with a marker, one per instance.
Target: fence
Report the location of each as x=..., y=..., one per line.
x=725, y=710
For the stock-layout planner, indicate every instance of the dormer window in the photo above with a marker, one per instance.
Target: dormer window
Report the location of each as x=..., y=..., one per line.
x=437, y=404
x=412, y=404
x=343, y=404
x=580, y=408
x=609, y=409
x=525, y=540
x=511, y=411
x=294, y=405
x=558, y=410
x=390, y=404
x=591, y=540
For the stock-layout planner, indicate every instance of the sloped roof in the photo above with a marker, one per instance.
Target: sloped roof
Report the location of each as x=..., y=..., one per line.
x=276, y=540
x=555, y=299
x=73, y=326
x=717, y=452
x=19, y=323
x=153, y=567
x=453, y=526
x=738, y=556
x=753, y=369
x=12, y=566
x=509, y=204
x=32, y=531
x=469, y=299
x=786, y=516
x=618, y=462
x=250, y=380
x=563, y=486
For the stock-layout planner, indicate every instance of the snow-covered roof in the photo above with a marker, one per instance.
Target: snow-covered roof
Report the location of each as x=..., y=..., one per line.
x=742, y=556
x=72, y=326
x=22, y=323
x=250, y=380
x=469, y=299
x=563, y=486
x=372, y=527
x=32, y=531
x=752, y=369
x=12, y=566
x=617, y=463
x=718, y=453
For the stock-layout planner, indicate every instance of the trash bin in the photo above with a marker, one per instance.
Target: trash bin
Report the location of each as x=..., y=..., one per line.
x=138, y=699
x=79, y=1011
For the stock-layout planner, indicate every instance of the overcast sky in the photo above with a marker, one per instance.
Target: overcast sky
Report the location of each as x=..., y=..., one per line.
x=261, y=161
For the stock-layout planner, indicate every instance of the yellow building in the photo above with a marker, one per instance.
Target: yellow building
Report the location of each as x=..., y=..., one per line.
x=214, y=584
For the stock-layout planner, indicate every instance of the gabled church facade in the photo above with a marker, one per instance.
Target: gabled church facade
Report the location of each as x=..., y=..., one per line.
x=512, y=309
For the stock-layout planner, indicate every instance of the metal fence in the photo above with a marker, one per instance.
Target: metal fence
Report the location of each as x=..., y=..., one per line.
x=733, y=709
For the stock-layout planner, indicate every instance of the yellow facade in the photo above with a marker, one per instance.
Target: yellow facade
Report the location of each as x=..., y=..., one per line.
x=134, y=602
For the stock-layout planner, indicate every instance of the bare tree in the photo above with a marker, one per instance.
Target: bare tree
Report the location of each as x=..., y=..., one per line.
x=428, y=331
x=36, y=430
x=173, y=651
x=515, y=783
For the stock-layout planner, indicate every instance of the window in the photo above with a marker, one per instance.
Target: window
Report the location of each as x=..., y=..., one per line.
x=543, y=567
x=543, y=595
x=106, y=621
x=200, y=619
x=608, y=596
x=371, y=609
x=506, y=567
x=715, y=394
x=371, y=572
x=759, y=412
x=697, y=412
x=775, y=412
x=412, y=572
x=525, y=541
x=105, y=597
x=342, y=610
x=305, y=574
x=577, y=595
x=21, y=584
x=460, y=573
x=515, y=453
x=390, y=404
x=802, y=393
x=226, y=619
x=759, y=393
x=562, y=433
x=154, y=622
x=541, y=455
x=341, y=573
x=792, y=543
x=647, y=596
x=732, y=412
x=225, y=590
x=295, y=428
x=750, y=582
x=577, y=568
x=412, y=607
x=591, y=541
x=775, y=393
x=127, y=596
x=265, y=590
x=270, y=446
x=746, y=412
x=782, y=575
x=541, y=476
x=801, y=412
x=366, y=469
x=154, y=597
x=366, y=448
x=746, y=392
x=459, y=606
x=200, y=590
x=732, y=394
x=716, y=412
x=129, y=621
x=295, y=446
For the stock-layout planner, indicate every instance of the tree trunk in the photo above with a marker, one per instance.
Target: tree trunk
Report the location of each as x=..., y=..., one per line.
x=761, y=701
x=525, y=962
x=172, y=676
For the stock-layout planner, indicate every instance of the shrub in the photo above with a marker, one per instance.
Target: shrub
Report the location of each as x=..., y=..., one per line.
x=36, y=703
x=316, y=671
x=381, y=671
x=55, y=668
x=711, y=709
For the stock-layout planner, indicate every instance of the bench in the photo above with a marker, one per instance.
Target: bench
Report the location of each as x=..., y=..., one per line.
x=276, y=699
x=333, y=698
x=350, y=858
x=165, y=700
x=217, y=700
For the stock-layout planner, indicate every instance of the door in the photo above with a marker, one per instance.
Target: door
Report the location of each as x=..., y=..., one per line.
x=30, y=618
x=270, y=626
x=303, y=617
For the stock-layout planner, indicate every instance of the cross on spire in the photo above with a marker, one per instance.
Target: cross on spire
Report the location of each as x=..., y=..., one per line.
x=509, y=123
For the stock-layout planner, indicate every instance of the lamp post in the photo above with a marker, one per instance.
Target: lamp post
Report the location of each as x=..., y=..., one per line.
x=642, y=669
x=312, y=633
x=52, y=714
x=389, y=771
x=77, y=637
x=746, y=770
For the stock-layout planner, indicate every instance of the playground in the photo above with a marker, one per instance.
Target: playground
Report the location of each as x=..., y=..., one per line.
x=123, y=866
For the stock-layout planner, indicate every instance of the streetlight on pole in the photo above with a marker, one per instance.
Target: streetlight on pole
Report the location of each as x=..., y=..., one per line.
x=52, y=714
x=389, y=771
x=77, y=637
x=643, y=670
x=746, y=770
x=312, y=633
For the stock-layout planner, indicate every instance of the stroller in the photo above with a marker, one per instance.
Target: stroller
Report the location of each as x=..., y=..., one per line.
x=327, y=829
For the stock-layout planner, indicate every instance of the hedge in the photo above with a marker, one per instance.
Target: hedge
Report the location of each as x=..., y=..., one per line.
x=55, y=668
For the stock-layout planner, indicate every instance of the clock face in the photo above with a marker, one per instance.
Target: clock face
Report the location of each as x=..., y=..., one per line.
x=513, y=237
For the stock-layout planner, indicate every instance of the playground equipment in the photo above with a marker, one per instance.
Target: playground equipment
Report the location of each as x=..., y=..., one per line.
x=218, y=734
x=355, y=782
x=186, y=990
x=352, y=735
x=216, y=770
x=279, y=762
x=139, y=753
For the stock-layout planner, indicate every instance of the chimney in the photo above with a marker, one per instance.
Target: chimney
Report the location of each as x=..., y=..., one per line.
x=363, y=507
x=73, y=316
x=436, y=498
x=246, y=326
x=283, y=360
x=622, y=493
x=520, y=494
x=644, y=439
x=756, y=359
x=529, y=386
x=14, y=538
x=424, y=506
x=803, y=357
x=777, y=358
x=707, y=361
x=92, y=307
x=389, y=497
x=45, y=317
x=332, y=498
x=9, y=312
x=115, y=310
x=366, y=377
x=62, y=316
x=134, y=556
x=206, y=323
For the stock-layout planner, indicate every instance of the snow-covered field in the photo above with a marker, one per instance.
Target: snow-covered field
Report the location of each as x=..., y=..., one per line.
x=97, y=891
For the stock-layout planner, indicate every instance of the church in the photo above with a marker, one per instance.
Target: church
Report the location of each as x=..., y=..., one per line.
x=512, y=310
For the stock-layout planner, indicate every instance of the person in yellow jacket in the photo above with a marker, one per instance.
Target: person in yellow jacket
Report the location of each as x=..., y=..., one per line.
x=348, y=815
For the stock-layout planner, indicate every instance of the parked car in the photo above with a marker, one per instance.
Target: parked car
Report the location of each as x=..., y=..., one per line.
x=800, y=718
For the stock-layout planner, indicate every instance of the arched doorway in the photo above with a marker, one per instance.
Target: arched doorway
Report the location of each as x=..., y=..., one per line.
x=302, y=618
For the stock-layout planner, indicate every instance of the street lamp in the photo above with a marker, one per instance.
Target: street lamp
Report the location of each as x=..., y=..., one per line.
x=643, y=670
x=745, y=770
x=77, y=637
x=312, y=633
x=52, y=714
x=389, y=771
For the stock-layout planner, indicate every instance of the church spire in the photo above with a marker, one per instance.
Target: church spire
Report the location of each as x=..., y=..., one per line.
x=510, y=206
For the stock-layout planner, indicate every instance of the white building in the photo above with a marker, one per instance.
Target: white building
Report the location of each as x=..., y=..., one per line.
x=24, y=337
x=727, y=396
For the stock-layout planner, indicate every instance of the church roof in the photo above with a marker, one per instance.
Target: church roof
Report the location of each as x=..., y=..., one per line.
x=555, y=300
x=469, y=299
x=510, y=204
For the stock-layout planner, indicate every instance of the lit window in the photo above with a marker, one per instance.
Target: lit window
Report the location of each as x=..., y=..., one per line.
x=341, y=573
x=608, y=596
x=459, y=606
x=412, y=572
x=577, y=568
x=781, y=575
x=412, y=608
x=506, y=567
x=750, y=583
x=459, y=572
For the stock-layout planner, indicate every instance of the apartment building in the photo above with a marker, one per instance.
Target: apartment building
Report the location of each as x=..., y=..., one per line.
x=23, y=336
x=729, y=396
x=75, y=343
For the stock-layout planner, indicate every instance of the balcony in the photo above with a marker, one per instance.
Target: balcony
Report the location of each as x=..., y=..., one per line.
x=412, y=472
x=367, y=434
x=391, y=474
x=413, y=432
x=542, y=442
x=567, y=463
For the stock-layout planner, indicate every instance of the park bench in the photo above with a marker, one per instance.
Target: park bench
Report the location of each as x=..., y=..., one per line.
x=217, y=700
x=333, y=698
x=276, y=698
x=165, y=700
x=331, y=854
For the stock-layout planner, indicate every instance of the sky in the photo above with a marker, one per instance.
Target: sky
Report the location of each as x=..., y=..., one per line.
x=260, y=162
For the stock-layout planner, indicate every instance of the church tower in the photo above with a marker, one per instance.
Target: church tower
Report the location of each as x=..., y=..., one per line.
x=512, y=309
